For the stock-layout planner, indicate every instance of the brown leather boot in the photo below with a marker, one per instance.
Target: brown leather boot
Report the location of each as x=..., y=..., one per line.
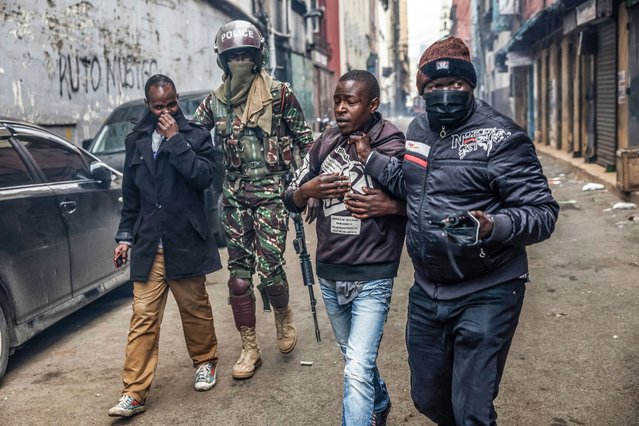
x=286, y=332
x=250, y=358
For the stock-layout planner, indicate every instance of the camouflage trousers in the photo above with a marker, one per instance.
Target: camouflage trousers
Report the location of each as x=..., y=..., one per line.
x=256, y=222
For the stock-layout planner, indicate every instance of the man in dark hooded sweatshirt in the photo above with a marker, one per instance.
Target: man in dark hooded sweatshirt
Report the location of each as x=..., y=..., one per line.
x=357, y=255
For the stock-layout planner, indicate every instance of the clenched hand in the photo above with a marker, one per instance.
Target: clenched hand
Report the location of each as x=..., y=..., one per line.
x=362, y=145
x=373, y=203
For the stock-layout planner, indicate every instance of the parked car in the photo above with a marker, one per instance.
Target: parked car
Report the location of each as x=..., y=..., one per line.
x=59, y=211
x=108, y=145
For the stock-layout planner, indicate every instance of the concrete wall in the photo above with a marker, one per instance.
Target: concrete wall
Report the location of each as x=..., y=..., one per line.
x=302, y=75
x=67, y=64
x=354, y=28
x=383, y=36
x=463, y=24
x=333, y=31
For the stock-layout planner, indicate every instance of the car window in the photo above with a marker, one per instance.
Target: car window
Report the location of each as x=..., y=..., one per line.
x=57, y=162
x=189, y=106
x=13, y=171
x=110, y=138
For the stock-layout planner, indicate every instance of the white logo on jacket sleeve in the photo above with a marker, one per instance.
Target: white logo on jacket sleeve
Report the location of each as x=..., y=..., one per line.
x=485, y=139
x=418, y=147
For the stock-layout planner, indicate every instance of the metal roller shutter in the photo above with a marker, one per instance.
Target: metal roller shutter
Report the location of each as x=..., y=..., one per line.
x=633, y=78
x=606, y=94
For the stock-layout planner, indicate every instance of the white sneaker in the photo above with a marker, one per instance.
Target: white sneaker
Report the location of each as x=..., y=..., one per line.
x=205, y=377
x=126, y=407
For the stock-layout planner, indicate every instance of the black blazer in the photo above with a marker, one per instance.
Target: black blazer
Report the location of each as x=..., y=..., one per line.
x=163, y=198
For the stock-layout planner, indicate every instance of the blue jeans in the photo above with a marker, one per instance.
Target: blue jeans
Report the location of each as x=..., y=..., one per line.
x=457, y=350
x=358, y=326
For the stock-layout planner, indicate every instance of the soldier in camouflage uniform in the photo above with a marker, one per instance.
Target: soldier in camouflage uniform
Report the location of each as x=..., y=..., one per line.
x=257, y=120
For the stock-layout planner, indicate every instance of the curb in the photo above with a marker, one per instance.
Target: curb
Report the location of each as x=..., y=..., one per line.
x=589, y=171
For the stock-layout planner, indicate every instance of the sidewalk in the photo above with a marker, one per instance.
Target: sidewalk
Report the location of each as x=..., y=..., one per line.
x=589, y=171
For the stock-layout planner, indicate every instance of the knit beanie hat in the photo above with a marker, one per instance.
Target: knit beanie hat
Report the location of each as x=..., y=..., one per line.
x=445, y=57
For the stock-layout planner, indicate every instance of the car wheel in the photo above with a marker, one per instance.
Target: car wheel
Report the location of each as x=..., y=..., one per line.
x=4, y=343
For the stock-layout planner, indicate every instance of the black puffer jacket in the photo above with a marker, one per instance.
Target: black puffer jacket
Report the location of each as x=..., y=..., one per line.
x=488, y=163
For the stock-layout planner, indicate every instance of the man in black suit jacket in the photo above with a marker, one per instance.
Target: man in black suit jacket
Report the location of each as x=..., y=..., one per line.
x=168, y=165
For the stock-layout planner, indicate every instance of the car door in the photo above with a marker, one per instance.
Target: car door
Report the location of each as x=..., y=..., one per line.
x=90, y=211
x=34, y=251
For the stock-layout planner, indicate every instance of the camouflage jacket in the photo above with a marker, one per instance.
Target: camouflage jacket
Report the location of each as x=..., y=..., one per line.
x=249, y=152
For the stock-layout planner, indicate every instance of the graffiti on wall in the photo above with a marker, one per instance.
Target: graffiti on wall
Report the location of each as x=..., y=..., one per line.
x=93, y=73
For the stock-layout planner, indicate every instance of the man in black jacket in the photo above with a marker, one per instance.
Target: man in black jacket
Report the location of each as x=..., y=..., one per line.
x=169, y=163
x=476, y=197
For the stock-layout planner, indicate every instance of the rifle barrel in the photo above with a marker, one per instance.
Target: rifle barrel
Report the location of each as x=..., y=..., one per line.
x=318, y=338
x=307, y=267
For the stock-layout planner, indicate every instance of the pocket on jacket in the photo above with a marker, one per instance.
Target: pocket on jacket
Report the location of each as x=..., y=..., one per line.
x=198, y=227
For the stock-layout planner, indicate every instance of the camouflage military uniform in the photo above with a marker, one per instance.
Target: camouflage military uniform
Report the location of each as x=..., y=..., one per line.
x=257, y=165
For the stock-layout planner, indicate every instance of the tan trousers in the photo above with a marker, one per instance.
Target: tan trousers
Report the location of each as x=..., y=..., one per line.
x=149, y=300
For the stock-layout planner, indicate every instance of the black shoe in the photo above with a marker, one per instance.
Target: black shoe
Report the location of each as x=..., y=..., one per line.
x=379, y=419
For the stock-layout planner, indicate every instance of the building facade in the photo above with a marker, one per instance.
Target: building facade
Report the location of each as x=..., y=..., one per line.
x=568, y=72
x=66, y=64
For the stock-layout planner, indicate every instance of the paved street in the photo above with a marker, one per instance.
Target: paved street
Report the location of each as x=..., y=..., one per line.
x=573, y=361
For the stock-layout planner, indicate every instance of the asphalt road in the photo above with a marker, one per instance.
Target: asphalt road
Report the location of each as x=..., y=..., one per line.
x=573, y=360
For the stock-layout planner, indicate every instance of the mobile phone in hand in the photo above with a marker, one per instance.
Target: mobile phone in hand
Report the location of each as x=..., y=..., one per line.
x=118, y=260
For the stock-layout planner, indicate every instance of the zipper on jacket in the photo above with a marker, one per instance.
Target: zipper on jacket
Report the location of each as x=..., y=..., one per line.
x=442, y=134
x=482, y=254
x=421, y=205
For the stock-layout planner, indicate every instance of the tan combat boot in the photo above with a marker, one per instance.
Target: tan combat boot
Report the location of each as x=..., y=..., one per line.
x=250, y=358
x=286, y=332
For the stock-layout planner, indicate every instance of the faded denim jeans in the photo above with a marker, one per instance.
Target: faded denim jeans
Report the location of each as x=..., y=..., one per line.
x=358, y=326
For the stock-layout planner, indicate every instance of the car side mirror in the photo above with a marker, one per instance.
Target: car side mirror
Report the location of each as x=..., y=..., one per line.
x=101, y=173
x=86, y=143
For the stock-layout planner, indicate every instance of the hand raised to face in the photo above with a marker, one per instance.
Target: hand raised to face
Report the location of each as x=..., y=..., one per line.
x=167, y=126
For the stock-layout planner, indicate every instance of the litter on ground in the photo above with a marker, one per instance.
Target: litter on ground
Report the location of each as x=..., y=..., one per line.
x=592, y=187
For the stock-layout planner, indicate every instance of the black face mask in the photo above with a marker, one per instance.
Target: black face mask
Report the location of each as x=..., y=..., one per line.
x=447, y=108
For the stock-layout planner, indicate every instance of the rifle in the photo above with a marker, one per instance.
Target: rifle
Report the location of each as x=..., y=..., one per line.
x=307, y=268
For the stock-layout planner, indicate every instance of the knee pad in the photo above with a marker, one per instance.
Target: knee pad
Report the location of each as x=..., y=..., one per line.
x=277, y=294
x=242, y=302
x=239, y=287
